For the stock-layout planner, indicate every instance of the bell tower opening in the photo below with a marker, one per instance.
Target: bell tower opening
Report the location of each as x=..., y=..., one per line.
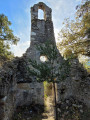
x=40, y=14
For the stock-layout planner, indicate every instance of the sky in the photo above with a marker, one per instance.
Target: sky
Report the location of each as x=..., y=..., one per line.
x=18, y=12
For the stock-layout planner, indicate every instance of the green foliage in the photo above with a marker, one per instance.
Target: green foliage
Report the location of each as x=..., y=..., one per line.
x=6, y=38
x=49, y=50
x=76, y=33
x=5, y=32
x=51, y=70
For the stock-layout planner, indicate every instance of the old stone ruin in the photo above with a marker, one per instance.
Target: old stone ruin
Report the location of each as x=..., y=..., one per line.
x=18, y=88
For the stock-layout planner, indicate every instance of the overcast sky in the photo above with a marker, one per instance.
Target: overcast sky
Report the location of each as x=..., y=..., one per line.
x=18, y=12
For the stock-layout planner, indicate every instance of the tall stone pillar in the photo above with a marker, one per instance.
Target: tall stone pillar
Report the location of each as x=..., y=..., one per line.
x=41, y=29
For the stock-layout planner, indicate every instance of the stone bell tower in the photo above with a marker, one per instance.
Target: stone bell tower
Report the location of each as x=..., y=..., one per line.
x=41, y=29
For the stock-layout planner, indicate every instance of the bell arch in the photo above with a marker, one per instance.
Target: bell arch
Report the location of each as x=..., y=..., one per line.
x=46, y=11
x=42, y=8
x=40, y=14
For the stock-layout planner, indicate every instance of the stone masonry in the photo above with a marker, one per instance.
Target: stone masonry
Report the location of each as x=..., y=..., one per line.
x=18, y=87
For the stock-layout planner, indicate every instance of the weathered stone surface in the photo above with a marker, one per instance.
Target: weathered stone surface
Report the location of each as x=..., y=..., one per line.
x=29, y=92
x=18, y=87
x=7, y=92
x=72, y=109
x=33, y=33
x=76, y=85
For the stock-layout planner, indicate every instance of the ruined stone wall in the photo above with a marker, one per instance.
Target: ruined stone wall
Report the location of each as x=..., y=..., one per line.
x=77, y=84
x=28, y=93
x=7, y=92
x=18, y=87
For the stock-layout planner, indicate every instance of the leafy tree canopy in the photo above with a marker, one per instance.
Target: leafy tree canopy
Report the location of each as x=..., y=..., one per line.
x=6, y=38
x=75, y=35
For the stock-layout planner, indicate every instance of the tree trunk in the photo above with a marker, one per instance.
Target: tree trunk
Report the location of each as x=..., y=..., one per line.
x=55, y=103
